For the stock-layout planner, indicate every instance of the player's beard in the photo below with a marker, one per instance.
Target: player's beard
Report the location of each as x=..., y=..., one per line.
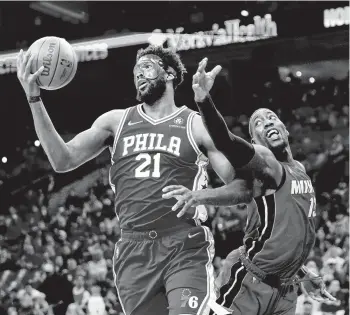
x=155, y=90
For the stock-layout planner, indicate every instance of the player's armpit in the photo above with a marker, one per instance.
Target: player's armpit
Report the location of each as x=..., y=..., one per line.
x=265, y=169
x=91, y=142
x=219, y=162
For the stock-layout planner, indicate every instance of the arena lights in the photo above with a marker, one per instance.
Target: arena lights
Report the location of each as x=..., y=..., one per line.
x=244, y=13
x=298, y=73
x=312, y=80
x=37, y=143
x=4, y=159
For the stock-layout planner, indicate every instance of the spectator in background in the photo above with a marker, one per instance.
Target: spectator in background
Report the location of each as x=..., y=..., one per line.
x=57, y=288
x=307, y=308
x=96, y=304
x=27, y=297
x=12, y=311
x=71, y=269
x=81, y=297
x=97, y=267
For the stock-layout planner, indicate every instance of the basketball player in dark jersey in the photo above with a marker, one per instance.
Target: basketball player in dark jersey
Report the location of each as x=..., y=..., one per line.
x=162, y=264
x=259, y=277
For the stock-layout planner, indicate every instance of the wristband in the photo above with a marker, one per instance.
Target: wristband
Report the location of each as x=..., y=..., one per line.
x=33, y=99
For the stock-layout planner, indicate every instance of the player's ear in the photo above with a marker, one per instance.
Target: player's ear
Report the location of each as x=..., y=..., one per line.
x=170, y=76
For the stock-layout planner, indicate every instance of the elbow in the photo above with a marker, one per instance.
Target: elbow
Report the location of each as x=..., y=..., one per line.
x=62, y=162
x=61, y=166
x=60, y=170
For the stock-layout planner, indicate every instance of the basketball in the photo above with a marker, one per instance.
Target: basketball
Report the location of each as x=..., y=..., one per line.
x=59, y=60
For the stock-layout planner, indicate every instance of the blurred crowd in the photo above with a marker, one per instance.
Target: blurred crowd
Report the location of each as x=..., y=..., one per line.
x=58, y=260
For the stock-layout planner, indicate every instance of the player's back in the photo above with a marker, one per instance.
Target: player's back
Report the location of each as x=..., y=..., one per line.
x=148, y=155
x=282, y=237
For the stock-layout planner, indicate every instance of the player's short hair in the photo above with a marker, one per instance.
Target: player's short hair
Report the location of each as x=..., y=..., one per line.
x=169, y=58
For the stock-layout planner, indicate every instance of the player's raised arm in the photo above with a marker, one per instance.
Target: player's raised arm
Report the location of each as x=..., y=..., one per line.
x=85, y=146
x=239, y=152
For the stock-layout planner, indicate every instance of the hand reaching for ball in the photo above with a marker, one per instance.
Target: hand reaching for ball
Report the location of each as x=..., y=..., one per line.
x=24, y=75
x=202, y=81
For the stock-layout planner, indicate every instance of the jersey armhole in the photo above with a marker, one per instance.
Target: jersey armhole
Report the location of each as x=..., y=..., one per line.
x=190, y=133
x=283, y=180
x=118, y=132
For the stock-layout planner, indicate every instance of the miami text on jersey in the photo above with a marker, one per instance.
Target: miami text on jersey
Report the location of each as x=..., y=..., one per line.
x=301, y=187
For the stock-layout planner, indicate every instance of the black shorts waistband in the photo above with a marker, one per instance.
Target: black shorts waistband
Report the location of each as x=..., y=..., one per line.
x=269, y=279
x=151, y=234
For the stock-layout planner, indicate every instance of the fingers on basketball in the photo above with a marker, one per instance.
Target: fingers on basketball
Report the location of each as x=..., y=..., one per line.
x=25, y=62
x=36, y=75
x=28, y=67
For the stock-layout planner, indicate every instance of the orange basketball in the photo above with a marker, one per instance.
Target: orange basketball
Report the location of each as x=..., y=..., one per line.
x=59, y=60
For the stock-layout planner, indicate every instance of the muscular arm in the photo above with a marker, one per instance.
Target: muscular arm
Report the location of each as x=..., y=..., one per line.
x=217, y=159
x=85, y=146
x=253, y=180
x=259, y=160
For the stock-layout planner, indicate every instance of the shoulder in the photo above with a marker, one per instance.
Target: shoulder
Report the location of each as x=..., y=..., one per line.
x=263, y=158
x=301, y=165
x=266, y=167
x=109, y=121
x=199, y=132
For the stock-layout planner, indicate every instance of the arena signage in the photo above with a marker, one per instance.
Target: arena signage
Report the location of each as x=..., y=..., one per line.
x=336, y=17
x=234, y=32
x=87, y=52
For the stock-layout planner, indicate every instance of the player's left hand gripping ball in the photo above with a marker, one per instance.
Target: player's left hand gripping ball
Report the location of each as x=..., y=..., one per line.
x=186, y=198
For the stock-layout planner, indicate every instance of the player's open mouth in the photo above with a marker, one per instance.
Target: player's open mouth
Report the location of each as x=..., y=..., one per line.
x=142, y=85
x=272, y=134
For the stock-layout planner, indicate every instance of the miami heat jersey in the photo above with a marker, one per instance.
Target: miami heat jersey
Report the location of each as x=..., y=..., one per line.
x=280, y=231
x=149, y=154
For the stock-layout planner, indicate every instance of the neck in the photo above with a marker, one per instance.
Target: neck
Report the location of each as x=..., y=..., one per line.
x=284, y=155
x=162, y=107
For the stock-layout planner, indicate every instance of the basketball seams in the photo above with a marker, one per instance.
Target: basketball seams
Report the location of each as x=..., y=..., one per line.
x=74, y=69
x=58, y=57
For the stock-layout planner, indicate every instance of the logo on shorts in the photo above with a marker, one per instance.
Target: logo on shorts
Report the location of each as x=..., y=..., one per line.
x=186, y=293
x=188, y=300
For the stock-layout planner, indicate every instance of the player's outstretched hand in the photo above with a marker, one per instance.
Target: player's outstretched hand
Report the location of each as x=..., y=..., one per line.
x=314, y=287
x=186, y=198
x=202, y=81
x=24, y=75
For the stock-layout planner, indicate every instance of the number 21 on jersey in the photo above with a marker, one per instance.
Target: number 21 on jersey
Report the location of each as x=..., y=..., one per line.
x=150, y=166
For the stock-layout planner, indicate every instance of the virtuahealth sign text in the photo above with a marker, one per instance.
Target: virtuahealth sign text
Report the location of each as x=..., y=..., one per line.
x=234, y=32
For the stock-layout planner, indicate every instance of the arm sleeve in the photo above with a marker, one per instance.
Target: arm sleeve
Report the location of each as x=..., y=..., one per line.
x=238, y=151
